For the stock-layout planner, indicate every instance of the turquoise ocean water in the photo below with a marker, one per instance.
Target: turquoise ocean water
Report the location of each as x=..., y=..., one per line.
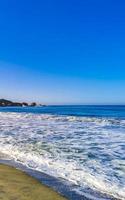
x=82, y=145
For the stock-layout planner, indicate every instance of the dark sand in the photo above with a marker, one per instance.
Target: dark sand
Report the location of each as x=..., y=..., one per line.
x=17, y=185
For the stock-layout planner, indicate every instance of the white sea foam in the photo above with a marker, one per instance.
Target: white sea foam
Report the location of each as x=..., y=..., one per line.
x=88, y=151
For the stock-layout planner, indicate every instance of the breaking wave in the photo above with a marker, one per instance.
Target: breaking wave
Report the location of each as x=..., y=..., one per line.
x=87, y=151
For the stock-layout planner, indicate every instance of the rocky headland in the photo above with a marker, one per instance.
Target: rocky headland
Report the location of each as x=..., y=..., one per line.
x=5, y=103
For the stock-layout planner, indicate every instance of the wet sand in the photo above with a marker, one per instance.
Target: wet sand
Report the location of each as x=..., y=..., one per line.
x=17, y=185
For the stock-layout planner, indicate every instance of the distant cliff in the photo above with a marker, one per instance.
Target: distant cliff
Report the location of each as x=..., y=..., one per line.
x=4, y=103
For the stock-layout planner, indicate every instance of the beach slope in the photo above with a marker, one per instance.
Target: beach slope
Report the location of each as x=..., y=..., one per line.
x=17, y=185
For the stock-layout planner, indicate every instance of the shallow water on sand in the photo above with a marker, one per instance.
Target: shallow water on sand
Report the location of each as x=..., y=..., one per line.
x=15, y=184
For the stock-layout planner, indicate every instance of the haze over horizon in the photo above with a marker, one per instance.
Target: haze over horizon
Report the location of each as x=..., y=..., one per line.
x=62, y=52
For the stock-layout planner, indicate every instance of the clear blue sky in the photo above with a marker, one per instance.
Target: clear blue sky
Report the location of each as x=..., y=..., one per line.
x=63, y=51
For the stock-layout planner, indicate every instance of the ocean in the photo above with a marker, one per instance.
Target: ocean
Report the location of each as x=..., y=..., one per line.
x=84, y=146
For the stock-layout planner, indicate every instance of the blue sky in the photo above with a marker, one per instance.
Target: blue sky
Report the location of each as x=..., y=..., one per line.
x=63, y=52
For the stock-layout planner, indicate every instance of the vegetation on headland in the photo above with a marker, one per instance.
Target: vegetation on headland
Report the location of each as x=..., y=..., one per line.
x=5, y=103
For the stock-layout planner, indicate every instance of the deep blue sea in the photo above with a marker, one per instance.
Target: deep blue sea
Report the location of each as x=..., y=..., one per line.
x=82, y=145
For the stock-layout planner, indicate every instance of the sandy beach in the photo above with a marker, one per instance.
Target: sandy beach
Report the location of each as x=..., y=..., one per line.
x=17, y=185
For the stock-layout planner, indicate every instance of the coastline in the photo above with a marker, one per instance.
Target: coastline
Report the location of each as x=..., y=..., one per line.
x=54, y=184
x=62, y=189
x=16, y=184
x=61, y=185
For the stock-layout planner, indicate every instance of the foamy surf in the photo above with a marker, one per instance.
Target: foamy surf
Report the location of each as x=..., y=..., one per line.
x=87, y=151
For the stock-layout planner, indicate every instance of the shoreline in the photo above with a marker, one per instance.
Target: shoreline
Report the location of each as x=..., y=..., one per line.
x=16, y=184
x=71, y=189
x=59, y=186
